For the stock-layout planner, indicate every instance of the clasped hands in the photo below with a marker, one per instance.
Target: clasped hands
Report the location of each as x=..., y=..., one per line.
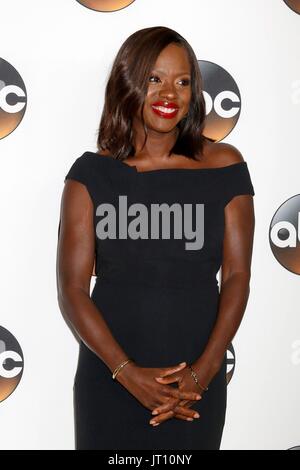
x=177, y=407
x=151, y=386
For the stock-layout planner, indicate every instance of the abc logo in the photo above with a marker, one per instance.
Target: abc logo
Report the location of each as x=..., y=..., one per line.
x=105, y=5
x=230, y=363
x=11, y=363
x=294, y=5
x=222, y=99
x=284, y=234
x=12, y=98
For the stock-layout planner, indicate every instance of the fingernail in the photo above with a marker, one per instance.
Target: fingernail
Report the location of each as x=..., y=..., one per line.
x=155, y=412
x=152, y=422
x=156, y=424
x=182, y=364
x=198, y=397
x=190, y=419
x=196, y=415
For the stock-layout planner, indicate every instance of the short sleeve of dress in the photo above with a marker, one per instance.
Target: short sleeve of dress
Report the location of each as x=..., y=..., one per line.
x=82, y=170
x=79, y=170
x=237, y=181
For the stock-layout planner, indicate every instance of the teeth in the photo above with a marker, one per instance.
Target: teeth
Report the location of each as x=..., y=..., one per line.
x=164, y=110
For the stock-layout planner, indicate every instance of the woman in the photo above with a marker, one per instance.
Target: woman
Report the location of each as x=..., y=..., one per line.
x=153, y=335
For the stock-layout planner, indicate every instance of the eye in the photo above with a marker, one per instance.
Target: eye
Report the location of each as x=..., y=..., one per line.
x=185, y=81
x=155, y=77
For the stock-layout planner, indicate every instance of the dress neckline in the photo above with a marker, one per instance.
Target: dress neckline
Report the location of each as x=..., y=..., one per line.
x=175, y=170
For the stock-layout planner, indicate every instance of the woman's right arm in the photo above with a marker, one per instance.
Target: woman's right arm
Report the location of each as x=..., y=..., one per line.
x=74, y=267
x=75, y=260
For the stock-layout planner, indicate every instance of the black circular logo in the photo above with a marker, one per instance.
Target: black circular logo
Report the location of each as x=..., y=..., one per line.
x=105, y=5
x=222, y=99
x=12, y=98
x=284, y=234
x=11, y=363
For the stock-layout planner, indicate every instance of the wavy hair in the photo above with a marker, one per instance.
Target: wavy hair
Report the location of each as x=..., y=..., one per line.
x=127, y=88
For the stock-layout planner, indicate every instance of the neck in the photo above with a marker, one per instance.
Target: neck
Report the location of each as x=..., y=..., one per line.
x=158, y=144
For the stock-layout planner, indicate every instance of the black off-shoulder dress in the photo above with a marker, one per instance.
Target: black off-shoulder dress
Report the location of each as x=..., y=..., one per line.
x=157, y=289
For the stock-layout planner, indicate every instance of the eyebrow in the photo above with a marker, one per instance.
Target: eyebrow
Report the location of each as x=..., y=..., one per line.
x=161, y=71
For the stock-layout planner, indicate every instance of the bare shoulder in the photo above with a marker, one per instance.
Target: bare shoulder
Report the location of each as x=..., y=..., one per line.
x=220, y=154
x=104, y=153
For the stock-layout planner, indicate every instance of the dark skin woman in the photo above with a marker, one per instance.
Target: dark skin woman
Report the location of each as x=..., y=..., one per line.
x=169, y=82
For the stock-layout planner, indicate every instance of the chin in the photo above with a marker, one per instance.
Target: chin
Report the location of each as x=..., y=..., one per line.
x=163, y=130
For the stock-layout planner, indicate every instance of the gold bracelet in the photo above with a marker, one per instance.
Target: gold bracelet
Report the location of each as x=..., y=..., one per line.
x=119, y=367
x=194, y=375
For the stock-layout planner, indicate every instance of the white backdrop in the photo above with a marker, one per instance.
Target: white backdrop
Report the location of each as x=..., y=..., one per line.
x=64, y=51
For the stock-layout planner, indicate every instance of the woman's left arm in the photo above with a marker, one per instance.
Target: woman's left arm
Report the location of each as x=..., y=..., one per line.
x=235, y=280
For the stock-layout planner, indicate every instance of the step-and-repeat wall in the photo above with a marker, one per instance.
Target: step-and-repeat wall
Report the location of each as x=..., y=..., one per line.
x=55, y=59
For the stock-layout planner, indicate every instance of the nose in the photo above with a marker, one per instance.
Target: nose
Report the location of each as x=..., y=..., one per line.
x=168, y=91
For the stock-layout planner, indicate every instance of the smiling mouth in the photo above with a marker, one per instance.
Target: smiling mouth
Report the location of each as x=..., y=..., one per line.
x=164, y=112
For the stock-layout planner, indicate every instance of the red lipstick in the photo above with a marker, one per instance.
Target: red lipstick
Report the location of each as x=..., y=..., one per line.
x=167, y=111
